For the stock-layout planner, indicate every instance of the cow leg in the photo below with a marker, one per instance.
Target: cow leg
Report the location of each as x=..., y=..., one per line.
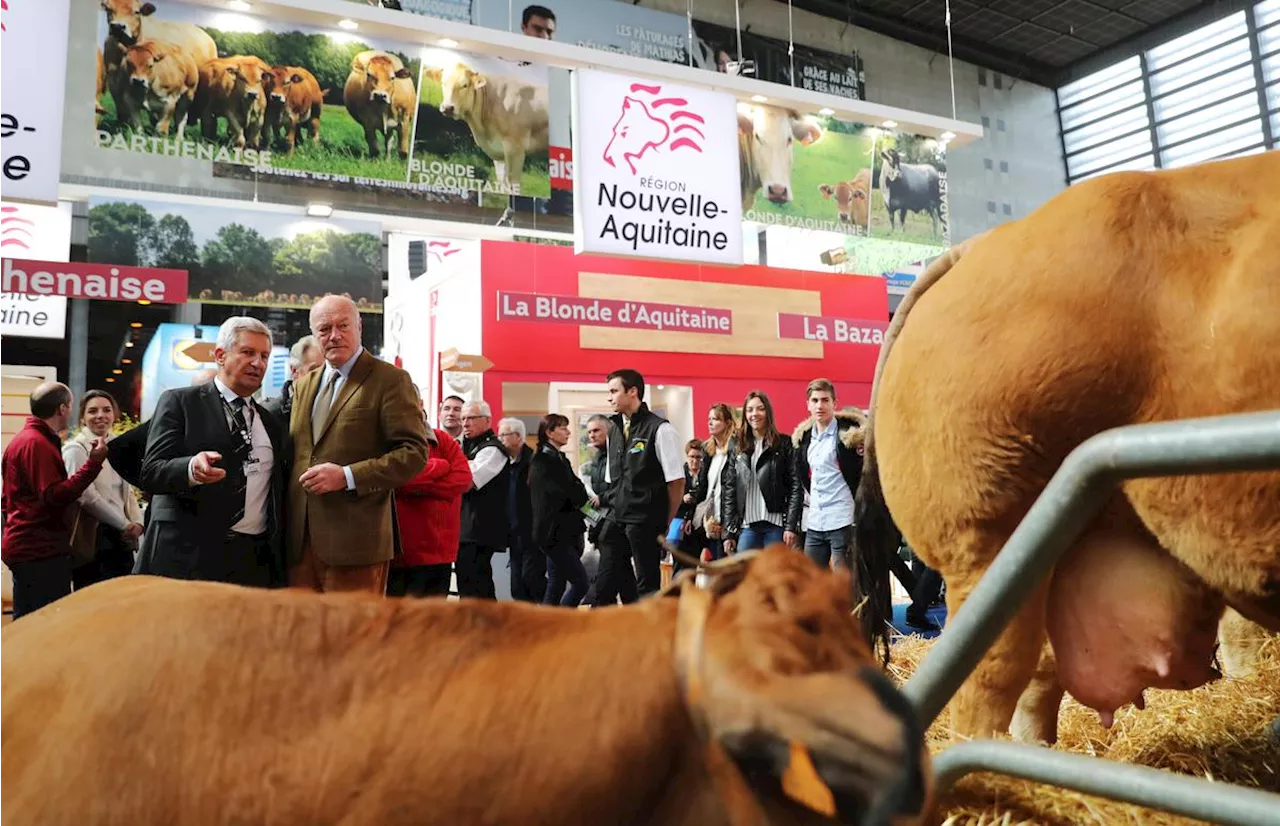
x=1036, y=718
x=514, y=162
x=500, y=171
x=209, y=125
x=405, y=128
x=1240, y=643
x=165, y=123
x=371, y=139
x=984, y=706
x=290, y=134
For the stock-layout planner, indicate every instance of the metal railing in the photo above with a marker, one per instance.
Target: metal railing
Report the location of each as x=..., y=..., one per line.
x=1087, y=478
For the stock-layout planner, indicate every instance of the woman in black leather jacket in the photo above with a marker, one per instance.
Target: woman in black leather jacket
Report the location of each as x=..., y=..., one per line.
x=765, y=470
x=718, y=493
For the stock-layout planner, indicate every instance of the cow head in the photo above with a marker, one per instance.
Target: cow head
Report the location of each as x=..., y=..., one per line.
x=277, y=83
x=635, y=133
x=250, y=74
x=460, y=88
x=892, y=164
x=124, y=19
x=138, y=62
x=851, y=197
x=771, y=134
x=381, y=71
x=783, y=688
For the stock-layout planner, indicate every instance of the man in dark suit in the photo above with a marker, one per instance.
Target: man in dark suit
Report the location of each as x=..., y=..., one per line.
x=212, y=466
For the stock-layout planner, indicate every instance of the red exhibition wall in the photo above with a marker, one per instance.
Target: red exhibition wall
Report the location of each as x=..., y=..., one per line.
x=761, y=327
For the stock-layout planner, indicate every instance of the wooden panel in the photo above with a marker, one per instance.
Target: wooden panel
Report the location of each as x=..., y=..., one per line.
x=15, y=404
x=755, y=316
x=524, y=397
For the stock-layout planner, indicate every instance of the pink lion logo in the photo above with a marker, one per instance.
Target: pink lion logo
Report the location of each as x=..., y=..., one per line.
x=12, y=229
x=643, y=126
x=441, y=250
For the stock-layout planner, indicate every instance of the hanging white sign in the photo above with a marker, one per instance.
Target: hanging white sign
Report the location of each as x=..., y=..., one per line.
x=35, y=35
x=656, y=170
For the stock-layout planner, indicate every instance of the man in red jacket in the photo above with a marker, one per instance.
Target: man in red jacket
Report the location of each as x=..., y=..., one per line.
x=36, y=493
x=429, y=512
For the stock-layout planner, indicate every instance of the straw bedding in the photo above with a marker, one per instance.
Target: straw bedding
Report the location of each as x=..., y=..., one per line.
x=1228, y=730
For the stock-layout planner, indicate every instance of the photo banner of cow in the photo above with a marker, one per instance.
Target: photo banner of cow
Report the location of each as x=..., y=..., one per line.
x=244, y=257
x=482, y=129
x=255, y=97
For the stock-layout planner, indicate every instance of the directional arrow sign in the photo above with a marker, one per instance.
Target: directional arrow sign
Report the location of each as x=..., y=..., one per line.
x=192, y=354
x=201, y=351
x=453, y=361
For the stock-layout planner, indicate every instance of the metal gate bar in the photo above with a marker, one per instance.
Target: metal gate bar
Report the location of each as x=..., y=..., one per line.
x=1087, y=478
x=1153, y=788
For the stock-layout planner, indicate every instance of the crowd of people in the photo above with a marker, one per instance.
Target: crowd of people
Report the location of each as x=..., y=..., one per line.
x=343, y=484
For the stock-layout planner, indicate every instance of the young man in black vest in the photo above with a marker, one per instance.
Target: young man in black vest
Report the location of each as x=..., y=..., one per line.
x=485, y=524
x=648, y=451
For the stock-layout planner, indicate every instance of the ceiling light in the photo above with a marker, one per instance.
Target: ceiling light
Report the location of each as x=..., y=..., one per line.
x=946, y=136
x=319, y=210
x=111, y=378
x=135, y=324
x=826, y=111
x=128, y=344
x=144, y=301
x=126, y=361
x=239, y=5
x=117, y=371
x=447, y=43
x=660, y=387
x=890, y=124
x=759, y=98
x=348, y=24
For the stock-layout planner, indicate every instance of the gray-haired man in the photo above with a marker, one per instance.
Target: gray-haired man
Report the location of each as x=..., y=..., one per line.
x=212, y=465
x=485, y=526
x=304, y=356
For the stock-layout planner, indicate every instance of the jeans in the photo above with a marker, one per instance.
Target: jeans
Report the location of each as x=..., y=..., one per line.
x=38, y=582
x=759, y=535
x=520, y=590
x=564, y=562
x=823, y=546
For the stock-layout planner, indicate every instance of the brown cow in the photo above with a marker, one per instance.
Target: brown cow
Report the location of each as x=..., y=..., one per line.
x=131, y=21
x=186, y=702
x=1134, y=297
x=232, y=88
x=380, y=95
x=294, y=99
x=163, y=81
x=851, y=197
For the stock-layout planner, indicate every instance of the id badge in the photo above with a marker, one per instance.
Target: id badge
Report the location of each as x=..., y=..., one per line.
x=252, y=468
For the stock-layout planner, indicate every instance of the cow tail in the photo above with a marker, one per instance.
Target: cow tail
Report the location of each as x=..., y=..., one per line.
x=876, y=536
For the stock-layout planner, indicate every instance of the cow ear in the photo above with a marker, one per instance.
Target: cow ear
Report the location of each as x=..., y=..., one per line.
x=744, y=124
x=146, y=9
x=296, y=78
x=480, y=81
x=806, y=133
x=827, y=190
x=859, y=195
x=233, y=70
x=402, y=73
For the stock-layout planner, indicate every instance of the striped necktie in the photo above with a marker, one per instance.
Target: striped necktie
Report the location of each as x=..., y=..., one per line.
x=244, y=449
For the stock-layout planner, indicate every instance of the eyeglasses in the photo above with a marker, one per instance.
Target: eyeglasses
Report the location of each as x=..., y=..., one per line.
x=473, y=418
x=506, y=434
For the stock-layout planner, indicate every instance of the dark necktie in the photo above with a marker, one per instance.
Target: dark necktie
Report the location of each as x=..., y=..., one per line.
x=244, y=447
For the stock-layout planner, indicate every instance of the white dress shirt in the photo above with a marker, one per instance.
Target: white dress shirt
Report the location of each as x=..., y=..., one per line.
x=344, y=372
x=257, y=473
x=489, y=462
